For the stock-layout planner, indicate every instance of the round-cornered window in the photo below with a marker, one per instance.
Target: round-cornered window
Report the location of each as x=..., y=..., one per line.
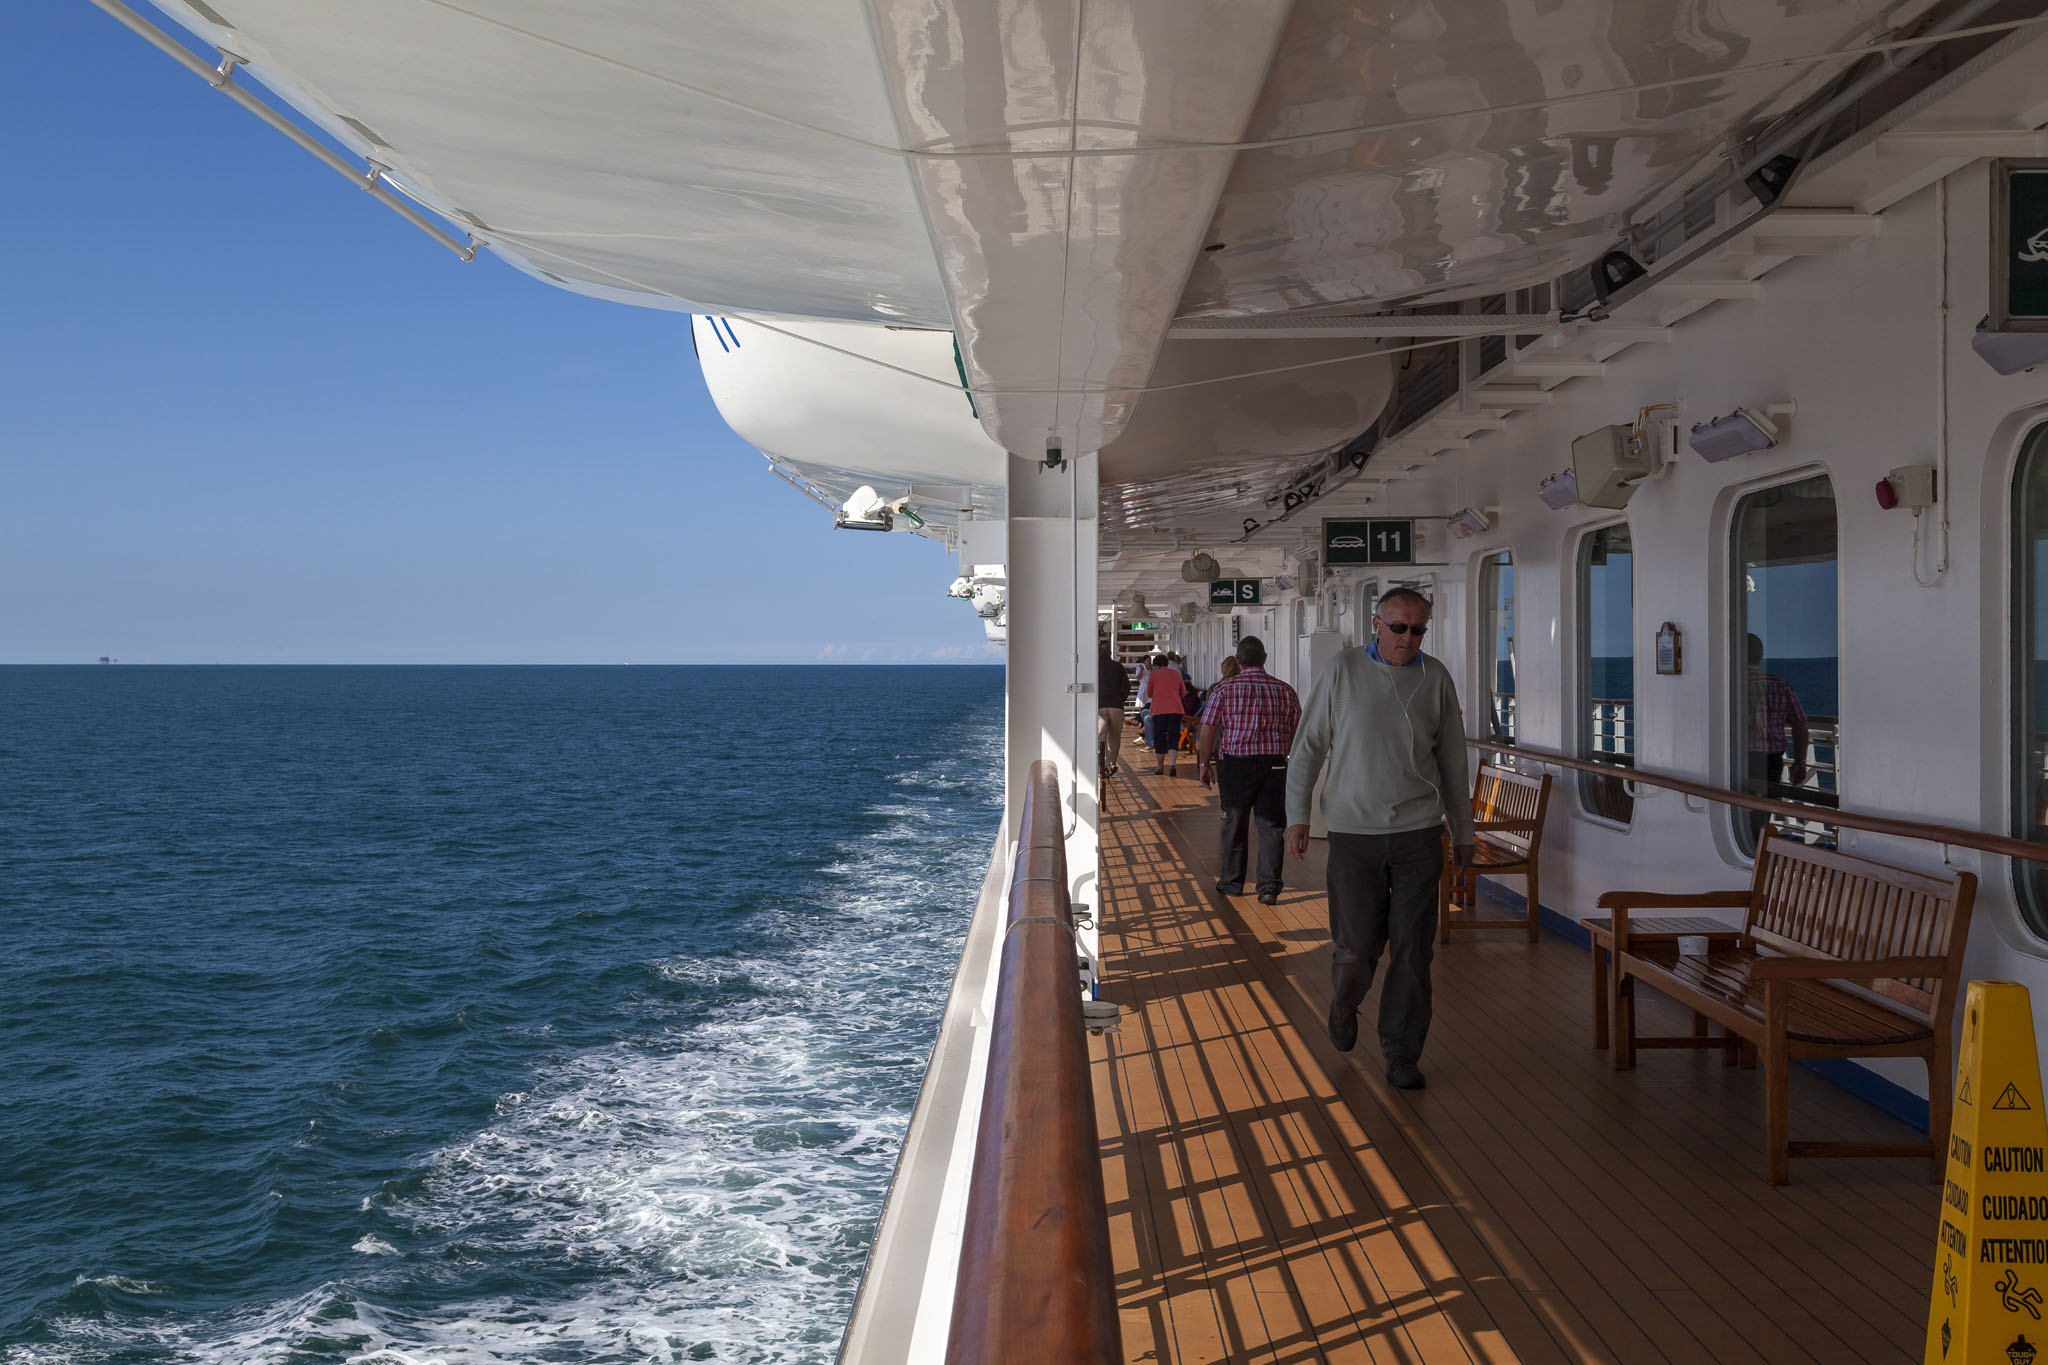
x=2030, y=672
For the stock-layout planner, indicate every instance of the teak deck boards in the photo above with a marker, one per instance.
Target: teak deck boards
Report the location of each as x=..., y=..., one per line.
x=1271, y=1199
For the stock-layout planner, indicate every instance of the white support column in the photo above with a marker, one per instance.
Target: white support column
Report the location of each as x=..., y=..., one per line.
x=1052, y=549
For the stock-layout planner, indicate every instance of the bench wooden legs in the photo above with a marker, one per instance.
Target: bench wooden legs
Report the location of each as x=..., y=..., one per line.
x=1777, y=1085
x=1622, y=1049
x=1461, y=886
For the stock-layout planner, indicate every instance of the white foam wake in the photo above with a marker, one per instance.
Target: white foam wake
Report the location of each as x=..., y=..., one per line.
x=700, y=1192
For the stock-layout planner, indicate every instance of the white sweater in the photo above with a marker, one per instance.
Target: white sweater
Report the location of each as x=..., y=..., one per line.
x=1395, y=742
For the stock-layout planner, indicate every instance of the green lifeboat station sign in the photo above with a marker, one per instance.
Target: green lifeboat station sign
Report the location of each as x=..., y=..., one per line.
x=1368, y=542
x=2019, y=245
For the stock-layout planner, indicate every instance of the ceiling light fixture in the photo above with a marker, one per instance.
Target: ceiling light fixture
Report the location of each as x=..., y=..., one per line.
x=1739, y=433
x=1468, y=521
x=1559, y=491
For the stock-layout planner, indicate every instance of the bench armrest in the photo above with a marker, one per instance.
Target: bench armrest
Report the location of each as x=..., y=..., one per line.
x=1658, y=900
x=1866, y=969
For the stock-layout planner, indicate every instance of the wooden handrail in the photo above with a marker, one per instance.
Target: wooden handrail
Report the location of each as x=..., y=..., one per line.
x=1795, y=810
x=1035, y=1279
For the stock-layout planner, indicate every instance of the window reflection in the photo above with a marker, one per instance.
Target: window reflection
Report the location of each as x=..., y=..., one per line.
x=1607, y=668
x=2030, y=669
x=1497, y=644
x=1786, y=656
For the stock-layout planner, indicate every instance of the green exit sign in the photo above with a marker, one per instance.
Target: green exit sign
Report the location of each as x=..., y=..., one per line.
x=2019, y=245
x=1386, y=541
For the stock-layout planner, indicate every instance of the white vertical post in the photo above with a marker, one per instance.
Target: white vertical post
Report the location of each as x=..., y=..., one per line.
x=1052, y=548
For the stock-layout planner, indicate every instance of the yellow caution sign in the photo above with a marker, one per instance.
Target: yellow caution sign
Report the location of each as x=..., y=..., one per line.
x=1991, y=1260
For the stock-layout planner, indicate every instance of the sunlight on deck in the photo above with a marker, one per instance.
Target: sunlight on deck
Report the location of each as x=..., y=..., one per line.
x=1271, y=1199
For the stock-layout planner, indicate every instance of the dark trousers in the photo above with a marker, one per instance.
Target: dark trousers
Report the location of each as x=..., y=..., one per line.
x=1253, y=788
x=1383, y=895
x=1765, y=772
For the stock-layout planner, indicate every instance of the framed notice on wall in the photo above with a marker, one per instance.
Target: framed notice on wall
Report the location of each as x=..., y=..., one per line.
x=2019, y=245
x=1670, y=650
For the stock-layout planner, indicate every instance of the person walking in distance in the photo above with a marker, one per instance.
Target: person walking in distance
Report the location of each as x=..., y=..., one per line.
x=1775, y=715
x=1112, y=690
x=1164, y=690
x=1250, y=718
x=1386, y=718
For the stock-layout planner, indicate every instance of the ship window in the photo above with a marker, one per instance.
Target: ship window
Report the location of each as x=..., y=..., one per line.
x=2030, y=672
x=1784, y=652
x=1607, y=668
x=1497, y=644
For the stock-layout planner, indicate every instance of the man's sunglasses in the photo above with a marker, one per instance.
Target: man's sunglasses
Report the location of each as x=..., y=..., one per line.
x=1403, y=628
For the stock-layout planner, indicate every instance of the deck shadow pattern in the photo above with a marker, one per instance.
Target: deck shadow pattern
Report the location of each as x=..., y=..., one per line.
x=1272, y=1199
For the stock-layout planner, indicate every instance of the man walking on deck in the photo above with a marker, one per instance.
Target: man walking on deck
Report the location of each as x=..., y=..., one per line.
x=1113, y=689
x=1387, y=718
x=1251, y=716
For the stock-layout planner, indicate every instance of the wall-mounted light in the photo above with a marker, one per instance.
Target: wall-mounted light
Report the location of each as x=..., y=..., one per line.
x=1559, y=491
x=1739, y=433
x=1468, y=521
x=2009, y=352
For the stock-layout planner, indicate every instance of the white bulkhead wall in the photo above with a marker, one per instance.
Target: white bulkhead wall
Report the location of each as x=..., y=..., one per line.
x=1925, y=709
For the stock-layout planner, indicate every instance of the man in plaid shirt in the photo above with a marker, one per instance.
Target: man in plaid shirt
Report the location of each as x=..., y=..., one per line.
x=1252, y=718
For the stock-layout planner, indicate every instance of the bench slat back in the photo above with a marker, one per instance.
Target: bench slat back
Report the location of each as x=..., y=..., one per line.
x=1502, y=794
x=1813, y=902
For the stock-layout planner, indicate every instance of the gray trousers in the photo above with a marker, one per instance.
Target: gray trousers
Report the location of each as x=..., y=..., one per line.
x=1383, y=895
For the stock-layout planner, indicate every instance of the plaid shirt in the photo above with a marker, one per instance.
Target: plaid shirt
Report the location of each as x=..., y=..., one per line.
x=1254, y=713
x=1772, y=706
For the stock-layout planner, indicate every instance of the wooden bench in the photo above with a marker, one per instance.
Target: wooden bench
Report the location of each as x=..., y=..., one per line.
x=1507, y=817
x=1837, y=957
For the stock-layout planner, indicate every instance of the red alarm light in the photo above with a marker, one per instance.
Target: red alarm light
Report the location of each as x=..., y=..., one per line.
x=1887, y=496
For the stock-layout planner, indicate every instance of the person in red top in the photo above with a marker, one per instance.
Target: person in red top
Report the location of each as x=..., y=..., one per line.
x=1251, y=717
x=1164, y=690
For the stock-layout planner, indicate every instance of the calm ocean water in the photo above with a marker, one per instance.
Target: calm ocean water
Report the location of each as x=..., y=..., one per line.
x=468, y=1014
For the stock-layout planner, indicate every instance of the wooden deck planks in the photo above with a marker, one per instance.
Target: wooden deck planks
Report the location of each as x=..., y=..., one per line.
x=1272, y=1200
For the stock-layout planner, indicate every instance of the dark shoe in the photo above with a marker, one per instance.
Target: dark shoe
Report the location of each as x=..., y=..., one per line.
x=1403, y=1074
x=1231, y=888
x=1344, y=1031
x=1269, y=898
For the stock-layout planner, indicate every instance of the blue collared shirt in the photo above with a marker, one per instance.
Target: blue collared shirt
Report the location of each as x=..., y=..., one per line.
x=1372, y=648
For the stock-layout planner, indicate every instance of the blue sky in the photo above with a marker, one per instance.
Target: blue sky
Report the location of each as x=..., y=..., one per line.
x=250, y=415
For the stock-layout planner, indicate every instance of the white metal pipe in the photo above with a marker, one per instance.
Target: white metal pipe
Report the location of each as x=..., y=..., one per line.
x=1942, y=492
x=222, y=78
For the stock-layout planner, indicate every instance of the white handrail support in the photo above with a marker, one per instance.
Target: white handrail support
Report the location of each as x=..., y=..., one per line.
x=222, y=78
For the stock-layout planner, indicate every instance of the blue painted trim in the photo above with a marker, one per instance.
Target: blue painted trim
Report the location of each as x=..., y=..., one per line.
x=1886, y=1095
x=720, y=335
x=731, y=333
x=1873, y=1089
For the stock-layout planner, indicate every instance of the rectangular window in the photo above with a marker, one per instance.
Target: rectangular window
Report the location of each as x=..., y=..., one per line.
x=1607, y=668
x=1785, y=652
x=2030, y=672
x=1497, y=644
